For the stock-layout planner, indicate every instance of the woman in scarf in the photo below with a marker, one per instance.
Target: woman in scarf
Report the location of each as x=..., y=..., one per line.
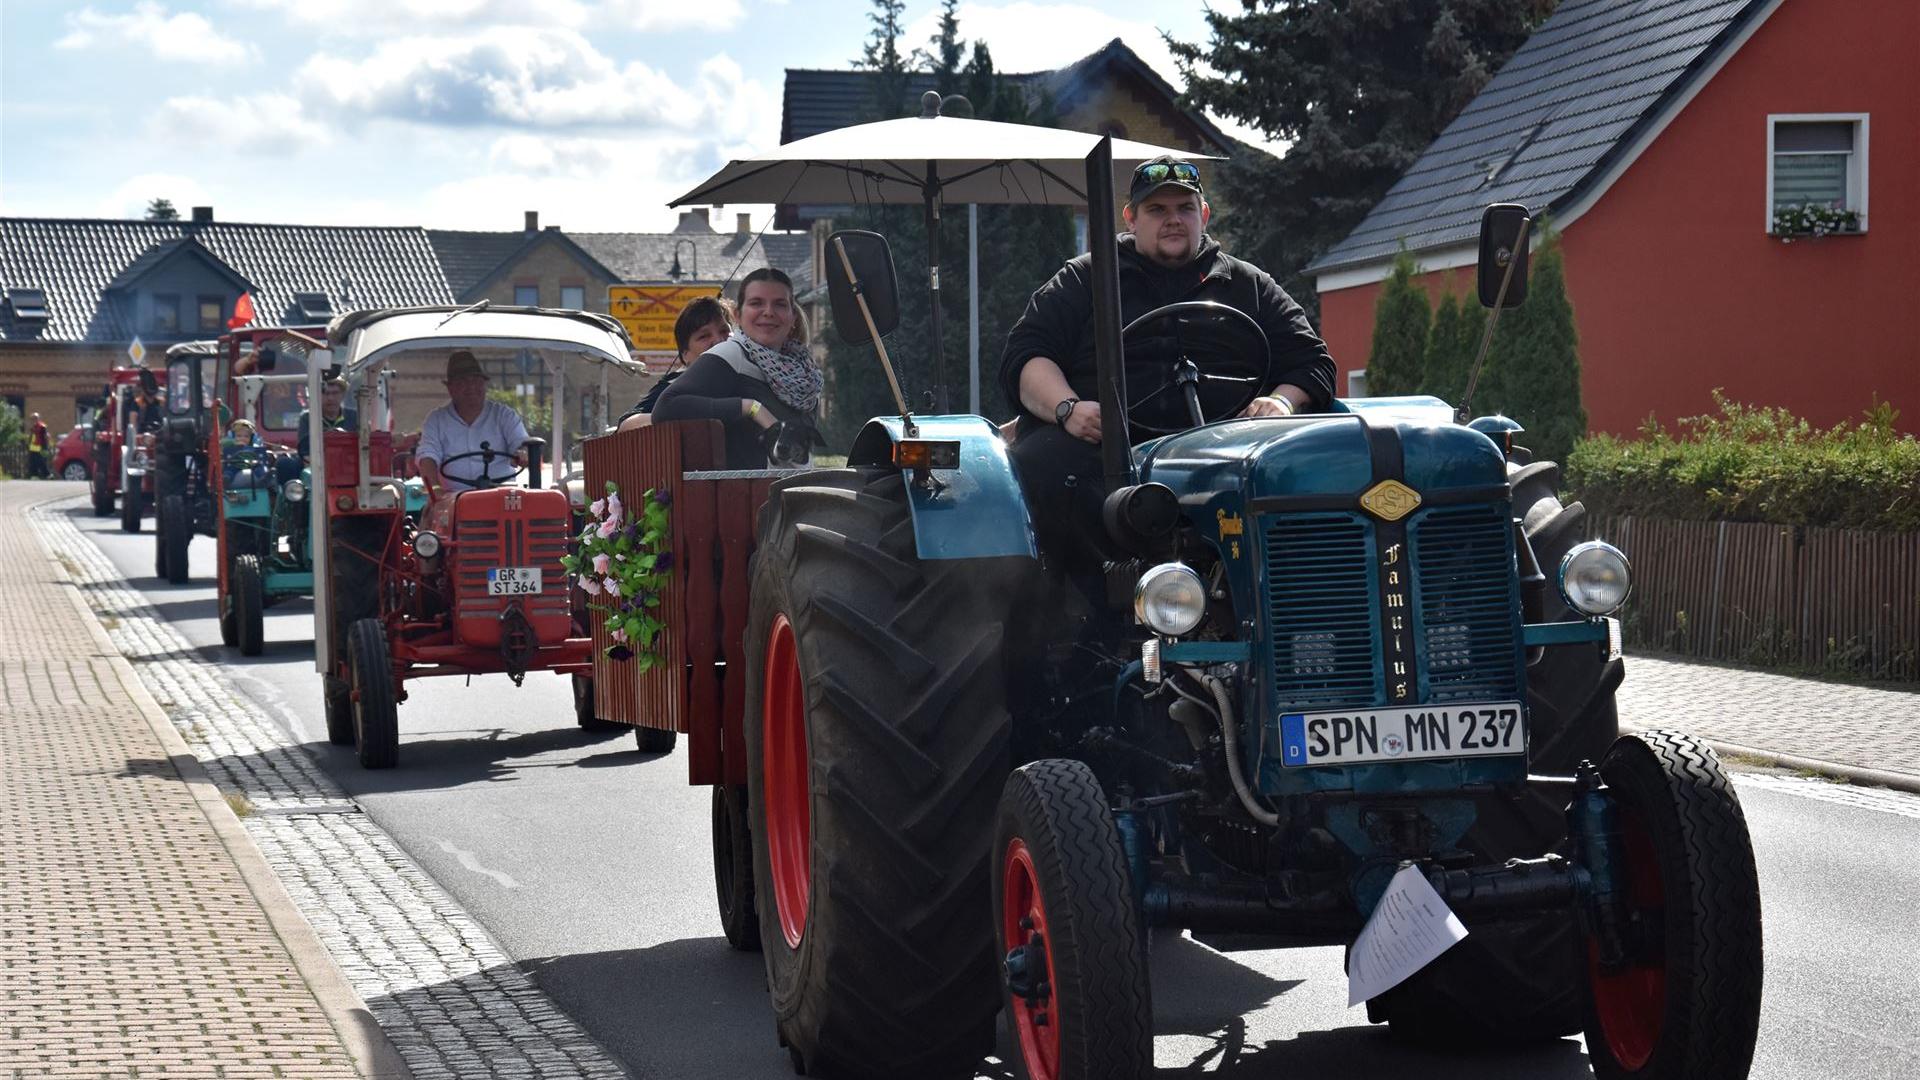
x=762, y=376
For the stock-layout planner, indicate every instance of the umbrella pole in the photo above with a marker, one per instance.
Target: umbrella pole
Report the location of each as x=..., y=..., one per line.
x=932, y=190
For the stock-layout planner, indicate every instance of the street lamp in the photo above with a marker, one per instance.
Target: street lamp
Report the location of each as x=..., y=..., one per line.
x=674, y=271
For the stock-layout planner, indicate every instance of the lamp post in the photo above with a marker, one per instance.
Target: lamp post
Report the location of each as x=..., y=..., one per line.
x=674, y=271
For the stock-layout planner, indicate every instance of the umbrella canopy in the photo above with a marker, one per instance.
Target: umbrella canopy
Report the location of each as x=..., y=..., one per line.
x=909, y=160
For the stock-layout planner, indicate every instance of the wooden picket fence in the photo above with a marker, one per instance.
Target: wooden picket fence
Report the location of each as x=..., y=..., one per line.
x=1841, y=600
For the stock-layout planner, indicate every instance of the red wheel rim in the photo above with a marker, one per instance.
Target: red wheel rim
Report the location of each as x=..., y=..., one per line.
x=1023, y=921
x=1631, y=1002
x=783, y=720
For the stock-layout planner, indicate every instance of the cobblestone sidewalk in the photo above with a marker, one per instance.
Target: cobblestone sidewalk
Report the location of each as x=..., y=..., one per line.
x=1860, y=726
x=130, y=941
x=452, y=1003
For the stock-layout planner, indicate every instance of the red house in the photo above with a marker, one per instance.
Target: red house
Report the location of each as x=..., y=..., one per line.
x=1671, y=141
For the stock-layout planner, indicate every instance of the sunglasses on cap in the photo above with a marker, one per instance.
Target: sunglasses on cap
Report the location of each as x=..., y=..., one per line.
x=1160, y=172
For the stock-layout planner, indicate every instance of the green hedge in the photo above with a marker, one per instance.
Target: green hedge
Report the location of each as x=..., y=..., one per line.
x=1752, y=463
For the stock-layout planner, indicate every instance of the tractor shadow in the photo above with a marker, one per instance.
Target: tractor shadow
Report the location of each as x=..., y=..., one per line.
x=451, y=759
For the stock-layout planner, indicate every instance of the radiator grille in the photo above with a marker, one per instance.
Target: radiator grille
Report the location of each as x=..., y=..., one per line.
x=1466, y=604
x=1325, y=630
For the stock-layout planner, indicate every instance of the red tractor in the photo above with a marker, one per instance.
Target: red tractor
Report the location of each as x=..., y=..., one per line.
x=130, y=405
x=476, y=584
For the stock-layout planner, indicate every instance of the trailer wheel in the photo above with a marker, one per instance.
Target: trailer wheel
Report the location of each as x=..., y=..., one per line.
x=733, y=867
x=654, y=740
x=339, y=709
x=1074, y=975
x=247, y=589
x=1685, y=1002
x=877, y=744
x=376, y=721
x=174, y=530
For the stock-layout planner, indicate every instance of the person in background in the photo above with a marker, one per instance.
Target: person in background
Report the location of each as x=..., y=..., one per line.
x=39, y=445
x=702, y=324
x=334, y=415
x=761, y=382
x=243, y=469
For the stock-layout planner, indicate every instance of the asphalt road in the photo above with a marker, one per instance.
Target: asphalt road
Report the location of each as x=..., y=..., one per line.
x=589, y=864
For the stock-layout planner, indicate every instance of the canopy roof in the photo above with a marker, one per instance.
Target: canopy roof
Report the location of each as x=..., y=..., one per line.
x=369, y=338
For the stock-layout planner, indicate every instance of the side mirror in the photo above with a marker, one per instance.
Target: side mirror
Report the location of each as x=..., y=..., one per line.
x=873, y=278
x=1504, y=229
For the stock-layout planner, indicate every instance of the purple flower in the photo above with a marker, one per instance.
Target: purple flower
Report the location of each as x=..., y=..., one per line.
x=619, y=652
x=663, y=497
x=663, y=562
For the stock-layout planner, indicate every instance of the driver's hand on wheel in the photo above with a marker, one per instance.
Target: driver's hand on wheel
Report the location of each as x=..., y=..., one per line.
x=520, y=458
x=1084, y=421
x=1269, y=406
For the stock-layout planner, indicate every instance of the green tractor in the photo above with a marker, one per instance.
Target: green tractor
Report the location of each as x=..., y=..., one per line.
x=1346, y=659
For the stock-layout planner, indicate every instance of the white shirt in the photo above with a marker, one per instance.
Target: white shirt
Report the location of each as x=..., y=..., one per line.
x=445, y=435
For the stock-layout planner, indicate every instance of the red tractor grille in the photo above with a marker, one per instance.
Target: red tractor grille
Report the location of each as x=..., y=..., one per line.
x=509, y=527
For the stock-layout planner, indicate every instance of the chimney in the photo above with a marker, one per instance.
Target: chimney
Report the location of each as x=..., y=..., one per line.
x=203, y=215
x=741, y=225
x=533, y=221
x=695, y=221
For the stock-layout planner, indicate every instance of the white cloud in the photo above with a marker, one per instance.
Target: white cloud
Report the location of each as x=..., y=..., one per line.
x=130, y=198
x=370, y=17
x=185, y=36
x=265, y=123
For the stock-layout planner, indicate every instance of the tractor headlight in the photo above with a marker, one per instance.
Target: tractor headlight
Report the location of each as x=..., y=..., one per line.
x=426, y=544
x=294, y=490
x=1595, y=578
x=1170, y=599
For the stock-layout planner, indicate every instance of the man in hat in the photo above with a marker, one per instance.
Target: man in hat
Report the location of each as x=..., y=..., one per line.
x=466, y=424
x=1165, y=257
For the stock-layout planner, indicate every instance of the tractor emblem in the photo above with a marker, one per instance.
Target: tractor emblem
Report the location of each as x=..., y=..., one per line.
x=1390, y=500
x=512, y=501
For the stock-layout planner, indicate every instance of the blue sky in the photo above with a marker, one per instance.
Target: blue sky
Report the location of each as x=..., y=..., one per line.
x=447, y=113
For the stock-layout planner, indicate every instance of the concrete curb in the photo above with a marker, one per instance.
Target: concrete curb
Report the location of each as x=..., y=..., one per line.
x=373, y=1055
x=1852, y=774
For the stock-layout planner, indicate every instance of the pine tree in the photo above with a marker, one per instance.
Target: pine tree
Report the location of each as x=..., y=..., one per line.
x=1533, y=366
x=1400, y=320
x=162, y=210
x=1360, y=89
x=1451, y=344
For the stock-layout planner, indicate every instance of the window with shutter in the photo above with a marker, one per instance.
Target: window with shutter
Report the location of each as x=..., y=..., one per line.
x=1817, y=173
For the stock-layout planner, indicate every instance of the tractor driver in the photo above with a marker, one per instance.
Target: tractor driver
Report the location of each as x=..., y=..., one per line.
x=468, y=423
x=1048, y=369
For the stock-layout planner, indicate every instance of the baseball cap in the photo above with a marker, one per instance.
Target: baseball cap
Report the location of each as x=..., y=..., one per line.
x=1163, y=171
x=460, y=362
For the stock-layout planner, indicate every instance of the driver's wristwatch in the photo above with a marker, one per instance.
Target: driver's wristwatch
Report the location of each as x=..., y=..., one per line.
x=1064, y=410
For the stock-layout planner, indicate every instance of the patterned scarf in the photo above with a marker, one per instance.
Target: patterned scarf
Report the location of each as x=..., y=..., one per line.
x=790, y=371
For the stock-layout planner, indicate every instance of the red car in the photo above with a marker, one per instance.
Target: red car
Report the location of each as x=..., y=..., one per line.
x=72, y=458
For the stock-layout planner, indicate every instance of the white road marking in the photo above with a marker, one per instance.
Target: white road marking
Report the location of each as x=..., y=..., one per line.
x=1884, y=800
x=465, y=858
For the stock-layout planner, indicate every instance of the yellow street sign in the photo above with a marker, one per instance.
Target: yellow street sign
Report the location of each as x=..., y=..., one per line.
x=648, y=311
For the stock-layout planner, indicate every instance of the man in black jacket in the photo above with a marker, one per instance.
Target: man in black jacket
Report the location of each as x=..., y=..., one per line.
x=1048, y=369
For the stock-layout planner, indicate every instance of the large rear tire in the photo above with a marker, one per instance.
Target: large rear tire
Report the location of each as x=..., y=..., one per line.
x=376, y=720
x=248, y=593
x=172, y=535
x=733, y=867
x=876, y=734
x=1685, y=1002
x=1075, y=989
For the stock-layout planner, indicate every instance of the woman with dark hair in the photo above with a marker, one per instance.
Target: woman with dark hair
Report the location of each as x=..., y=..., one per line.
x=760, y=382
x=703, y=323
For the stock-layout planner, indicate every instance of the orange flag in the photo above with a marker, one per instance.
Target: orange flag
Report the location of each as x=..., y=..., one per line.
x=242, y=312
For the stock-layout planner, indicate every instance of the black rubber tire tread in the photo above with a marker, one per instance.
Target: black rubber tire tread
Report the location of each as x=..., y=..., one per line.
x=1102, y=997
x=339, y=710
x=173, y=536
x=1712, y=930
x=376, y=720
x=1519, y=979
x=583, y=713
x=908, y=740
x=733, y=867
x=130, y=501
x=248, y=605
x=229, y=621
x=101, y=493
x=654, y=740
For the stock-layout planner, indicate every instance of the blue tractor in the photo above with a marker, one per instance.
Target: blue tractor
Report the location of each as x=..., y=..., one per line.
x=1339, y=648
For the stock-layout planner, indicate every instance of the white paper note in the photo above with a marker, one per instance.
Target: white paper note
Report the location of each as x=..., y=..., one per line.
x=1410, y=927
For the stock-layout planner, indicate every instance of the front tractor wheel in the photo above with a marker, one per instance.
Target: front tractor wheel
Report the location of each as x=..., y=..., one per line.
x=248, y=596
x=130, y=501
x=376, y=720
x=171, y=536
x=1684, y=998
x=339, y=709
x=1074, y=974
x=877, y=742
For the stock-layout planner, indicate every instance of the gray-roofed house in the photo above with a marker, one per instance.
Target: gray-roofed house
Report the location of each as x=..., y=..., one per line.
x=75, y=293
x=1674, y=143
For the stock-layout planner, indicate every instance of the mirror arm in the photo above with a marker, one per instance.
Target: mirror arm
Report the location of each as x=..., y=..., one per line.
x=873, y=331
x=1465, y=411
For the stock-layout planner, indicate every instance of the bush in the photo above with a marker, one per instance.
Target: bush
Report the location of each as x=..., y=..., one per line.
x=1754, y=463
x=13, y=428
x=1400, y=320
x=1457, y=326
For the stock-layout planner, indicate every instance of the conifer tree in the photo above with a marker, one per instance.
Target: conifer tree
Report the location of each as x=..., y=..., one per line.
x=1457, y=325
x=1400, y=321
x=1533, y=367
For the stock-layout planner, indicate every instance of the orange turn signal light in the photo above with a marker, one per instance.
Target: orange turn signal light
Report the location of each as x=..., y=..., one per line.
x=927, y=454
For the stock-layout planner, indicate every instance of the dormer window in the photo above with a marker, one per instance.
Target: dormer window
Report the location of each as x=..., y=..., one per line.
x=166, y=313
x=29, y=305
x=313, y=306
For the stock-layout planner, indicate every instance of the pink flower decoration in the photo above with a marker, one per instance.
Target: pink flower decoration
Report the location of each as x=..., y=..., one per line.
x=620, y=636
x=608, y=528
x=591, y=585
x=598, y=506
x=613, y=505
x=601, y=563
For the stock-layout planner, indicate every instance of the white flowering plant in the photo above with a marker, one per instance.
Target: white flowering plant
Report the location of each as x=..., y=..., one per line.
x=625, y=560
x=1792, y=220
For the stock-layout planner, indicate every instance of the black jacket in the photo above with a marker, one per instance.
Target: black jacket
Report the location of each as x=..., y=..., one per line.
x=1058, y=323
x=710, y=389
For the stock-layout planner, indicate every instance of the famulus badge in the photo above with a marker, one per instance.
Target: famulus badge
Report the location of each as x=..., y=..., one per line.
x=1390, y=500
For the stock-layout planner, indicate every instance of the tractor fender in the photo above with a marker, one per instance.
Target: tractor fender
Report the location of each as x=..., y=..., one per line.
x=973, y=512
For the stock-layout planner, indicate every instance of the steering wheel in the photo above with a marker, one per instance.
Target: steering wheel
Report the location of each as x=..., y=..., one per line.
x=1212, y=361
x=486, y=479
